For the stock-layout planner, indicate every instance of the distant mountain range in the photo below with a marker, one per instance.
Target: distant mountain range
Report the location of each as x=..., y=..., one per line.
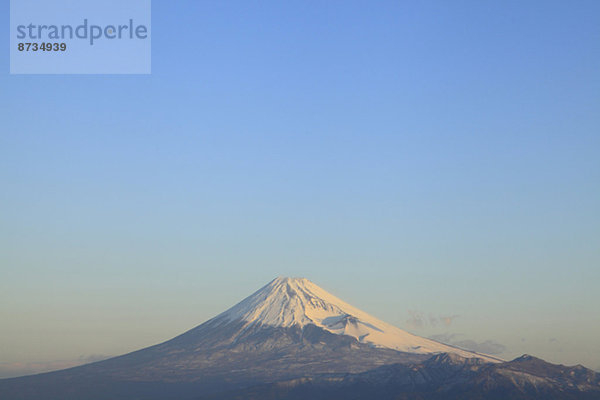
x=444, y=376
x=293, y=340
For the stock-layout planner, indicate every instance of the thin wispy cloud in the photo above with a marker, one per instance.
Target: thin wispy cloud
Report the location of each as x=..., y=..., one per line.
x=418, y=320
x=455, y=339
x=447, y=320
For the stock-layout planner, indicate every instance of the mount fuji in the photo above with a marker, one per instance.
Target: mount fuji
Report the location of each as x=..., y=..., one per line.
x=289, y=334
x=298, y=303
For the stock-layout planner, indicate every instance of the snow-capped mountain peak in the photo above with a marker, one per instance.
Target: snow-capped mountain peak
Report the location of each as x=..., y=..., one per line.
x=287, y=302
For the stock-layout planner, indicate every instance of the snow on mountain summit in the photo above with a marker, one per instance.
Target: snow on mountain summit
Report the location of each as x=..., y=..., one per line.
x=288, y=302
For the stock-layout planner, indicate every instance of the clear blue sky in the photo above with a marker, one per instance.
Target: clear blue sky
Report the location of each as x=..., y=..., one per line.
x=417, y=159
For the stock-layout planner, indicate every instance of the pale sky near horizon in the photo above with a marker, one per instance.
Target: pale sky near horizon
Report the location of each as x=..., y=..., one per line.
x=436, y=164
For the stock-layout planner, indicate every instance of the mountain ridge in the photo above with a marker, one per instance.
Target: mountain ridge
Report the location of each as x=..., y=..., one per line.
x=445, y=376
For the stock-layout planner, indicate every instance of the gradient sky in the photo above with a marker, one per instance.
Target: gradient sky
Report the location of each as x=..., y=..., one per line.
x=436, y=164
